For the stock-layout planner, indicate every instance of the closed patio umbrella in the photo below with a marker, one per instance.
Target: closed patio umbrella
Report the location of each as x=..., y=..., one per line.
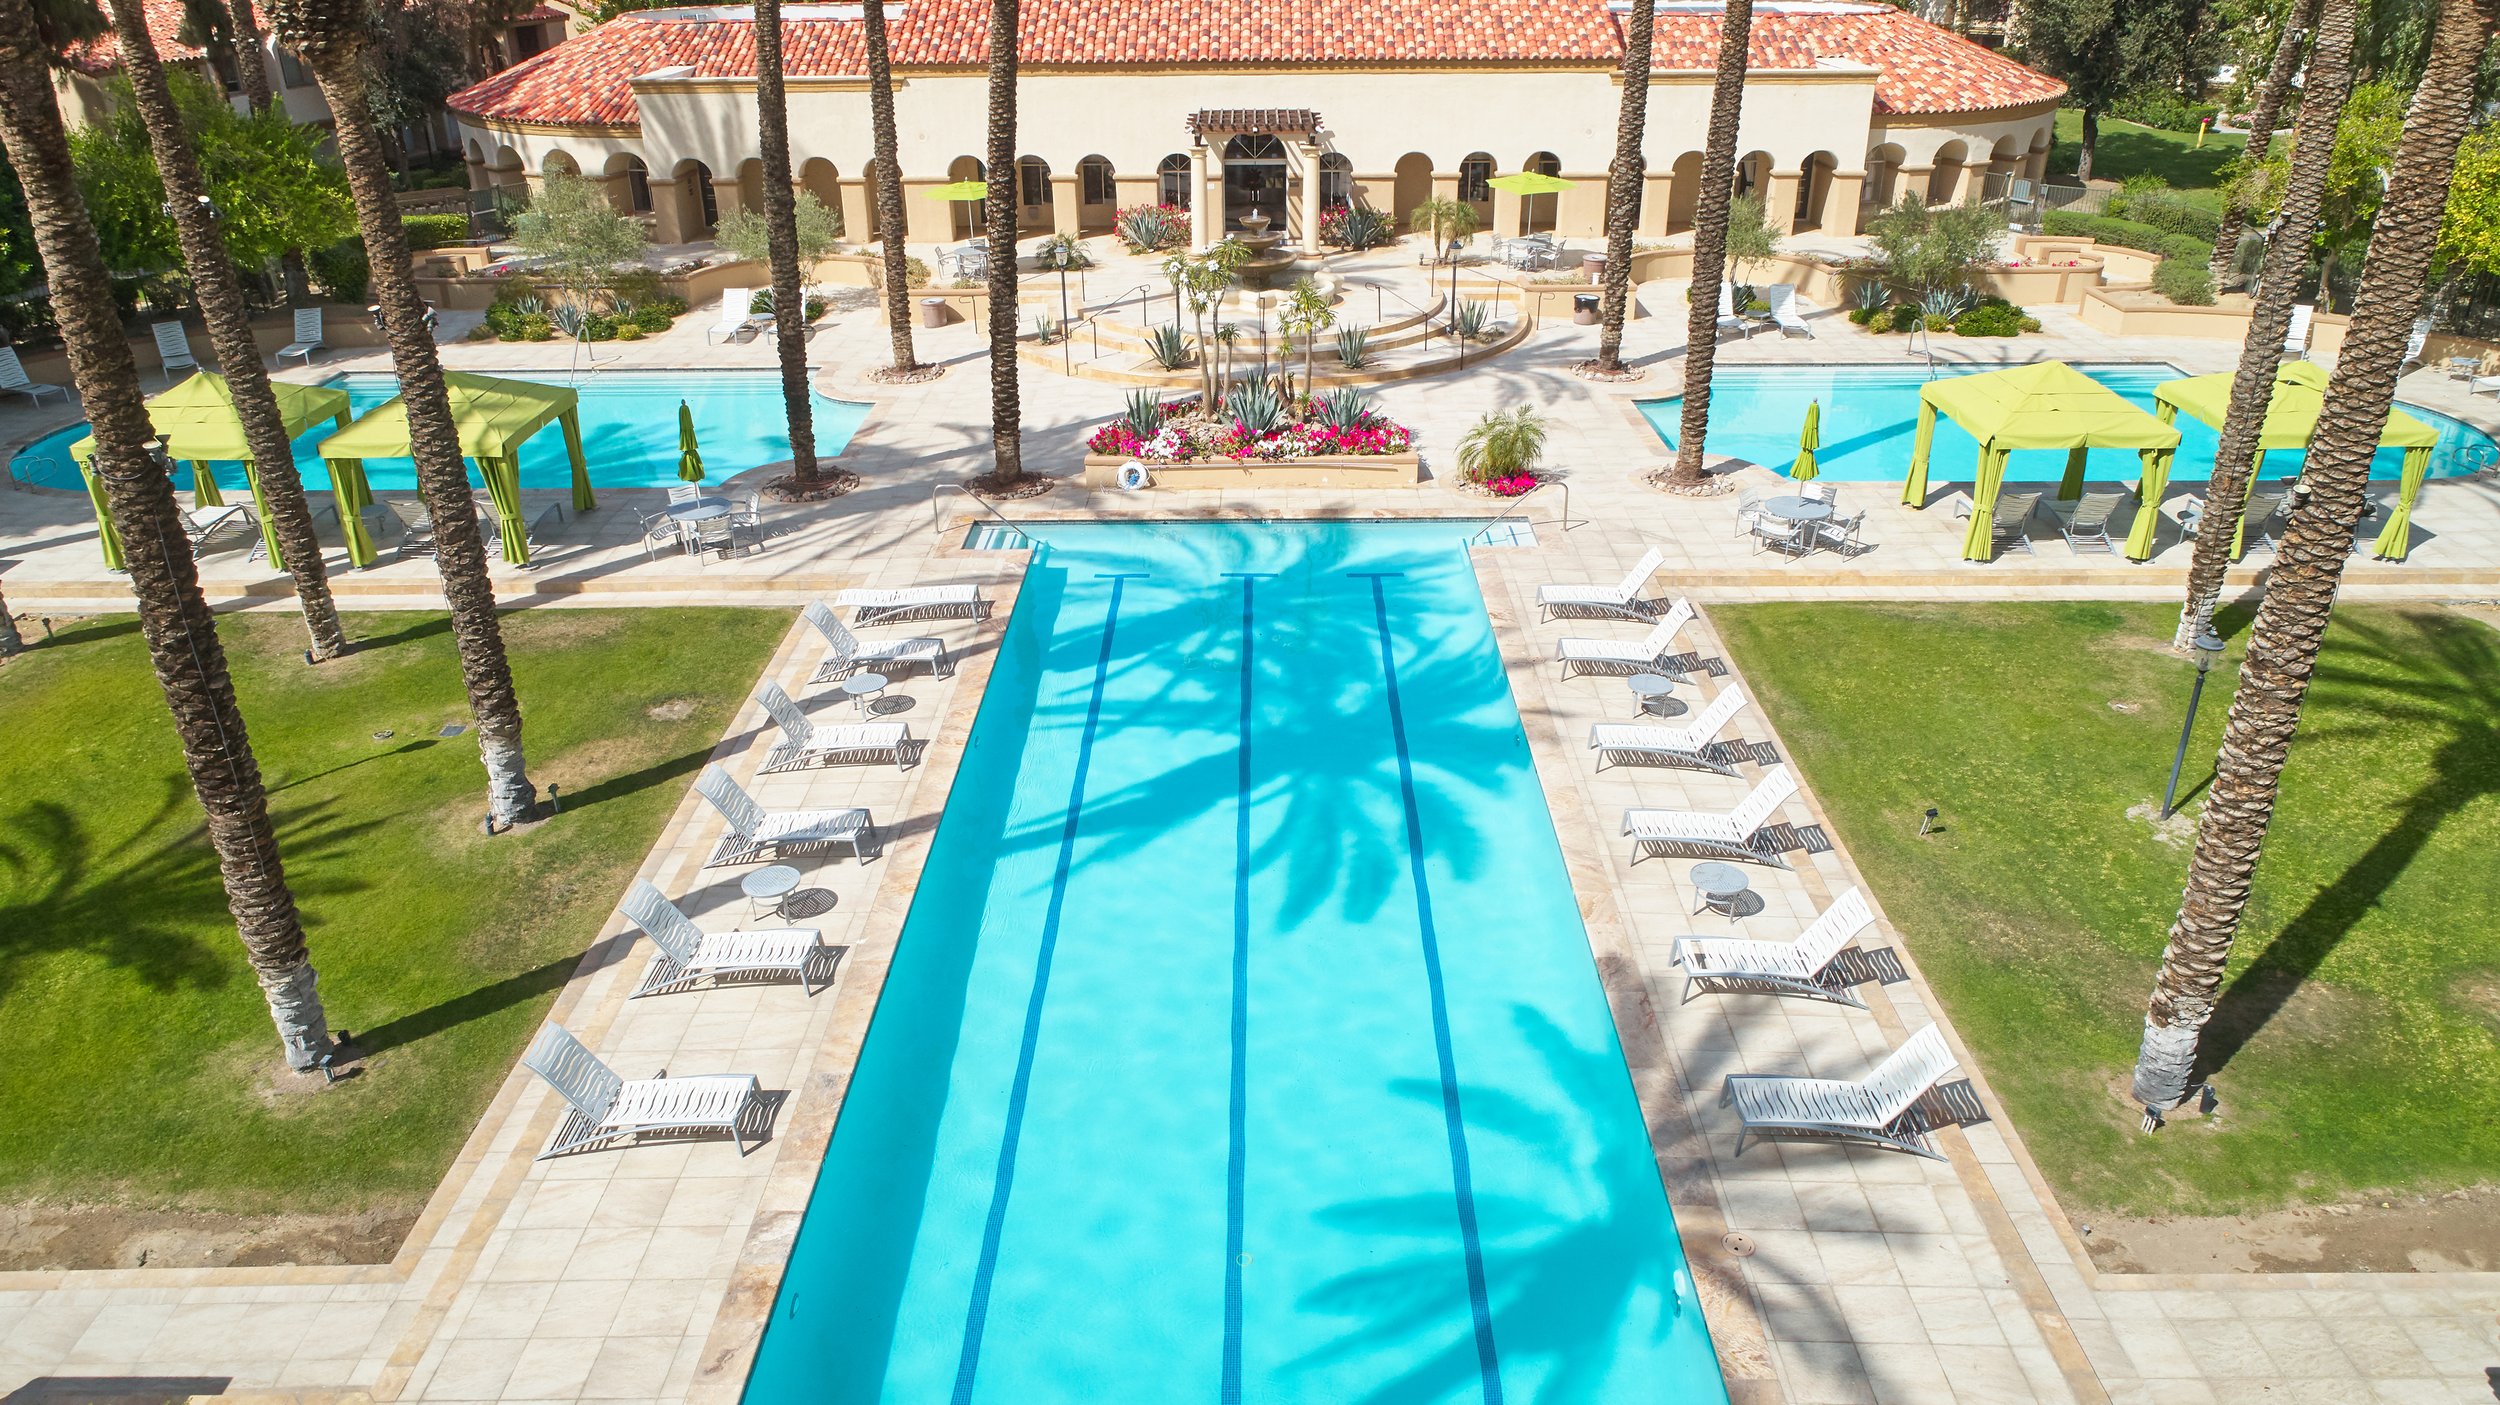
x=689, y=457
x=1809, y=440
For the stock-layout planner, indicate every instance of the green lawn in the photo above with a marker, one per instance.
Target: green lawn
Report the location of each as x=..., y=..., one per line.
x=2358, y=1044
x=2125, y=149
x=138, y=1056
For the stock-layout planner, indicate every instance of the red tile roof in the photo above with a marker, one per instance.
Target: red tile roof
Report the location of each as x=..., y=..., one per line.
x=103, y=54
x=586, y=80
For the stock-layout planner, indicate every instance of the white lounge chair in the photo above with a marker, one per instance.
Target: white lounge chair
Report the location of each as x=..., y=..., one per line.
x=734, y=316
x=806, y=742
x=1728, y=320
x=1783, y=300
x=1734, y=835
x=688, y=953
x=604, y=1106
x=205, y=524
x=1632, y=743
x=1616, y=599
x=850, y=654
x=307, y=336
x=755, y=831
x=912, y=603
x=173, y=349
x=1802, y=967
x=1879, y=1108
x=2416, y=342
x=2296, y=339
x=13, y=377
x=2474, y=384
x=1615, y=656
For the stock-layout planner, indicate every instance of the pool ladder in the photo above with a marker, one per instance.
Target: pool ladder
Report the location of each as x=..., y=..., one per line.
x=1485, y=532
x=937, y=518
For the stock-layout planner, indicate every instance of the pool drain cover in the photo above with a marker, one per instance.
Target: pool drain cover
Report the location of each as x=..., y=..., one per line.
x=1737, y=1244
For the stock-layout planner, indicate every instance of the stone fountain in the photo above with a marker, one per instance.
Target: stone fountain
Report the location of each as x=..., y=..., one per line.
x=1267, y=260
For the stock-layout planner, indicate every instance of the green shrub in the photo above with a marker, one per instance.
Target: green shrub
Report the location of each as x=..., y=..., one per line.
x=1864, y=315
x=1990, y=320
x=2185, y=283
x=434, y=231
x=915, y=274
x=648, y=318
x=1905, y=318
x=2150, y=200
x=537, y=326
x=671, y=304
x=340, y=271
x=2158, y=107
x=598, y=328
x=2128, y=234
x=628, y=331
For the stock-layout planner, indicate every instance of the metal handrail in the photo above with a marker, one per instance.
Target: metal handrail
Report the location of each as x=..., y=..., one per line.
x=1522, y=501
x=937, y=520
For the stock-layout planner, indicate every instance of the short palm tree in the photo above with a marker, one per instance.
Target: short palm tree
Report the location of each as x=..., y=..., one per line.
x=1623, y=187
x=220, y=296
x=2309, y=563
x=1710, y=219
x=1443, y=221
x=2287, y=263
x=336, y=38
x=889, y=192
x=1006, y=396
x=781, y=238
x=173, y=614
x=1501, y=444
x=2302, y=17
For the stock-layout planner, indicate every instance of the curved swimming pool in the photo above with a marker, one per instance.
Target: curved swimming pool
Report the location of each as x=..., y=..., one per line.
x=629, y=432
x=1870, y=415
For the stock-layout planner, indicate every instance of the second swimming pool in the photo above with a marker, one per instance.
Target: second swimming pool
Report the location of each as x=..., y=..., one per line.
x=1243, y=1042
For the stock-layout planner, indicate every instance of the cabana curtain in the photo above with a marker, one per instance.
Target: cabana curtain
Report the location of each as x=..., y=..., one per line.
x=494, y=418
x=2045, y=405
x=199, y=425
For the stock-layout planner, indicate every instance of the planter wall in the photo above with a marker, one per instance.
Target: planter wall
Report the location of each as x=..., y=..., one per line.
x=1348, y=471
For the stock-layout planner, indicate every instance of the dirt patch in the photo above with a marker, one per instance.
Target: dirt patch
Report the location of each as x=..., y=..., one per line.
x=47, y=1236
x=2479, y=993
x=2178, y=831
x=2455, y=1232
x=673, y=710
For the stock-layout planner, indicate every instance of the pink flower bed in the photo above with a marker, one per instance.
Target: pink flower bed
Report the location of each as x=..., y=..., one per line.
x=1198, y=440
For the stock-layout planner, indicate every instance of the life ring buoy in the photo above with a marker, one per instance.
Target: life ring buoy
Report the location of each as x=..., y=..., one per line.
x=1133, y=476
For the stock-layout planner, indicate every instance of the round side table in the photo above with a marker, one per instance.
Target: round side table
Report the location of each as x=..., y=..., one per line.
x=1649, y=692
x=860, y=687
x=1721, y=886
x=769, y=888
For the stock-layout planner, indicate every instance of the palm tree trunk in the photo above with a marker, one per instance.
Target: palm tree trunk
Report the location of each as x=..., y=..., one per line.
x=173, y=615
x=889, y=194
x=2091, y=139
x=1718, y=180
x=781, y=240
x=2287, y=259
x=248, y=64
x=2303, y=16
x=12, y=643
x=1006, y=403
x=220, y=297
x=2309, y=566
x=1623, y=187
x=331, y=35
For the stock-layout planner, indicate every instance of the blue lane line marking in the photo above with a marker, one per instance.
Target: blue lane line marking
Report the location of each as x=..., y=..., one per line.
x=1237, y=1161
x=976, y=1317
x=1462, y=1179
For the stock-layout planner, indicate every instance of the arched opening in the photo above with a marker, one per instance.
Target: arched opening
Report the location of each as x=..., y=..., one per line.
x=1473, y=189
x=1033, y=194
x=559, y=163
x=1254, y=179
x=822, y=179
x=1814, y=187
x=1097, y=193
x=2005, y=162
x=1336, y=180
x=1753, y=175
x=2036, y=160
x=1883, y=173
x=964, y=216
x=1172, y=181
x=697, y=201
x=1410, y=185
x=872, y=189
x=629, y=184
x=1944, y=182
x=1537, y=212
x=507, y=173
x=751, y=184
x=1683, y=192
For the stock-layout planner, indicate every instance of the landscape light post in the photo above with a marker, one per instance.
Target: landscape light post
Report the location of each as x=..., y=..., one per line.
x=2208, y=648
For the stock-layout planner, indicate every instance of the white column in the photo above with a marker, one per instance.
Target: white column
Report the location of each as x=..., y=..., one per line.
x=1200, y=159
x=1311, y=207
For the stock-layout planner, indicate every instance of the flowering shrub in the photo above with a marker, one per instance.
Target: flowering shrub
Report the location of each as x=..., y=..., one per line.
x=1145, y=228
x=1515, y=485
x=1197, y=438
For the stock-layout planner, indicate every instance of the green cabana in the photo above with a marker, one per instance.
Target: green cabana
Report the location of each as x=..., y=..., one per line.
x=2291, y=419
x=494, y=417
x=199, y=426
x=2044, y=405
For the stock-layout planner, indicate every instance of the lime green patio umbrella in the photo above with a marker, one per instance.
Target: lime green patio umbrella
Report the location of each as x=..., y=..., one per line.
x=2291, y=418
x=961, y=190
x=494, y=417
x=689, y=456
x=1531, y=183
x=2043, y=405
x=198, y=422
x=1809, y=440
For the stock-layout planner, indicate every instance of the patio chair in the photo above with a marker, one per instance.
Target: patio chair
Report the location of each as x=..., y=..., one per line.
x=1736, y=834
x=2085, y=521
x=1616, y=599
x=689, y=954
x=658, y=530
x=205, y=524
x=755, y=832
x=970, y=259
x=913, y=602
x=848, y=654
x=1879, y=1109
x=1614, y=656
x=2008, y=528
x=1802, y=967
x=603, y=1106
x=307, y=336
x=1837, y=532
x=746, y=523
x=13, y=378
x=1693, y=745
x=1729, y=321
x=1790, y=539
x=535, y=530
x=681, y=494
x=2415, y=342
x=806, y=742
x=734, y=317
x=1783, y=300
x=416, y=525
x=1822, y=490
x=2296, y=338
x=2255, y=519
x=1748, y=511
x=173, y=349
x=710, y=535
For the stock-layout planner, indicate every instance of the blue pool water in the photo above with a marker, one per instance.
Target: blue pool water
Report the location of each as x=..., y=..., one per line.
x=629, y=433
x=1870, y=418
x=1243, y=1042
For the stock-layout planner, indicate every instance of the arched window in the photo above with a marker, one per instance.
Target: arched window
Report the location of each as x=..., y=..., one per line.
x=1032, y=181
x=1173, y=176
x=637, y=184
x=1472, y=175
x=1336, y=181
x=1095, y=184
x=1254, y=146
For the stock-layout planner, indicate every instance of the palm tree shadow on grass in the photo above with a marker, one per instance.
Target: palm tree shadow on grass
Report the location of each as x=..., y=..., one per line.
x=488, y=999
x=2459, y=699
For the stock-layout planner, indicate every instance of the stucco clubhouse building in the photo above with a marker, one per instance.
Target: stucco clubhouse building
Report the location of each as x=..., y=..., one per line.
x=1285, y=107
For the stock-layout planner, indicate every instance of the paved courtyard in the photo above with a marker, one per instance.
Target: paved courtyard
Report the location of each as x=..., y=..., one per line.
x=1863, y=1276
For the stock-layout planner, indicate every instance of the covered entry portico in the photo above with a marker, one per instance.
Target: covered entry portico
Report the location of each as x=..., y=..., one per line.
x=1254, y=161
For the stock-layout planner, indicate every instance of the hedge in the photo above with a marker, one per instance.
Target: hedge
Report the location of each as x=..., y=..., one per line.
x=2127, y=234
x=434, y=231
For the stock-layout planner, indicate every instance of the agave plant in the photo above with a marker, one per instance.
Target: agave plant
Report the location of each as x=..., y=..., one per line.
x=1145, y=413
x=1947, y=303
x=1045, y=331
x=1354, y=347
x=1149, y=227
x=1873, y=296
x=568, y=320
x=1362, y=227
x=527, y=305
x=1346, y=407
x=1474, y=319
x=1168, y=346
x=1255, y=407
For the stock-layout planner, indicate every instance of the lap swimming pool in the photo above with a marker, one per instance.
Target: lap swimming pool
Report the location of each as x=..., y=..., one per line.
x=1870, y=414
x=1243, y=1042
x=629, y=433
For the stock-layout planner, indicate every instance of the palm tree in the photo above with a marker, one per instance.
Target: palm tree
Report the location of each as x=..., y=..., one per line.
x=247, y=57
x=335, y=37
x=889, y=193
x=1623, y=187
x=1718, y=180
x=1443, y=222
x=2302, y=17
x=1006, y=403
x=220, y=296
x=2287, y=262
x=173, y=614
x=2309, y=564
x=781, y=238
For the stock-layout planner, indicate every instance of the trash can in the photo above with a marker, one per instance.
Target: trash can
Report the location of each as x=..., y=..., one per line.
x=1593, y=267
x=933, y=312
x=1584, y=309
